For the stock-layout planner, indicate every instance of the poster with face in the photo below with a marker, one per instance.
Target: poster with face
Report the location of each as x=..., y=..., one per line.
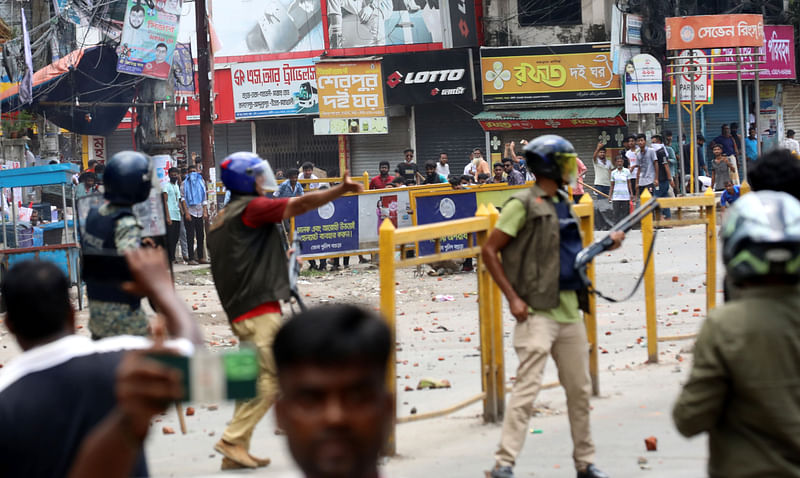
x=367, y=23
x=149, y=37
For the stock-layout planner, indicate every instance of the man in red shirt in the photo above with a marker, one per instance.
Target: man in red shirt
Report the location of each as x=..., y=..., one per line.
x=159, y=68
x=382, y=180
x=251, y=275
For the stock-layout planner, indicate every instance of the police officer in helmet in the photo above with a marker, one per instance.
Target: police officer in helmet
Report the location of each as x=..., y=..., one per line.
x=538, y=237
x=112, y=229
x=251, y=275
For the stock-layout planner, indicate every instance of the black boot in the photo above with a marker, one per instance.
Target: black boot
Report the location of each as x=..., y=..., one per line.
x=592, y=471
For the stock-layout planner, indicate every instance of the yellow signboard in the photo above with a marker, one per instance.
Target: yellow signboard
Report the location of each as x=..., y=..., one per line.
x=350, y=89
x=557, y=73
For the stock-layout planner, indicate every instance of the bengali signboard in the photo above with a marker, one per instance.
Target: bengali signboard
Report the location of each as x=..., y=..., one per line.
x=274, y=88
x=149, y=37
x=548, y=73
x=340, y=126
x=715, y=31
x=777, y=51
x=350, y=89
x=445, y=207
x=331, y=229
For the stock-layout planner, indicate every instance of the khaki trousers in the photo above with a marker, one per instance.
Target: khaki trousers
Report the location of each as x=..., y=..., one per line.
x=534, y=340
x=260, y=331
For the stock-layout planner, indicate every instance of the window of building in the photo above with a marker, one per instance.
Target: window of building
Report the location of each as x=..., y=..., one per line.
x=549, y=12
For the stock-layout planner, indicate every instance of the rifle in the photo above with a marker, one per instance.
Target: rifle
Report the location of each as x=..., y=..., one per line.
x=588, y=253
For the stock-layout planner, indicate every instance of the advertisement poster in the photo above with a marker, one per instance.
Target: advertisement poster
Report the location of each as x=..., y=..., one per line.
x=183, y=69
x=338, y=126
x=427, y=77
x=777, y=51
x=548, y=73
x=356, y=23
x=373, y=208
x=447, y=207
x=161, y=165
x=275, y=88
x=350, y=89
x=253, y=27
x=643, y=88
x=149, y=37
x=331, y=229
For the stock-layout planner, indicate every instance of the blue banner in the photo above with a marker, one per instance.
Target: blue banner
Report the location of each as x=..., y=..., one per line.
x=331, y=229
x=448, y=207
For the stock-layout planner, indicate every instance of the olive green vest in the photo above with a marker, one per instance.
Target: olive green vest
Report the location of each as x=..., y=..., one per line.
x=249, y=265
x=531, y=260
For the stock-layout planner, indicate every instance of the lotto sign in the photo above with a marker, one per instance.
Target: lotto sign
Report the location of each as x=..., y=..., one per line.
x=703, y=80
x=350, y=89
x=643, y=89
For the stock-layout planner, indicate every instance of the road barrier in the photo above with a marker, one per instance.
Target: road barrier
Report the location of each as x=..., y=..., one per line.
x=490, y=299
x=706, y=204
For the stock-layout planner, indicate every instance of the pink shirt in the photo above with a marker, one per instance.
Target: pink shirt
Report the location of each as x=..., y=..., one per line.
x=581, y=171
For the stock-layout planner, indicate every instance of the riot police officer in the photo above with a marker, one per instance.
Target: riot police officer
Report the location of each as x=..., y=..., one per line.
x=110, y=230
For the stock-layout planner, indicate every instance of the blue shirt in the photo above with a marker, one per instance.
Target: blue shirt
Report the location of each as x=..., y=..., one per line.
x=727, y=144
x=751, y=148
x=728, y=199
x=285, y=190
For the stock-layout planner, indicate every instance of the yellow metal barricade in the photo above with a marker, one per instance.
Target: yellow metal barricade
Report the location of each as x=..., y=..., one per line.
x=585, y=211
x=489, y=301
x=707, y=215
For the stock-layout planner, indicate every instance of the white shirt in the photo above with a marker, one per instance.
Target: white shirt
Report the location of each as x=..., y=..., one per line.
x=602, y=168
x=313, y=176
x=443, y=169
x=620, y=178
x=791, y=145
x=633, y=159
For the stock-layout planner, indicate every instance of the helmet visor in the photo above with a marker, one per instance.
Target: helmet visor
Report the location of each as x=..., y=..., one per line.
x=568, y=165
x=264, y=177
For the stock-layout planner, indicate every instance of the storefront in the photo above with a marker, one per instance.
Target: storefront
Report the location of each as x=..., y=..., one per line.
x=567, y=90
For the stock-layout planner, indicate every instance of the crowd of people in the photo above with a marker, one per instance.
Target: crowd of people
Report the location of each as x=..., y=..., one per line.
x=81, y=407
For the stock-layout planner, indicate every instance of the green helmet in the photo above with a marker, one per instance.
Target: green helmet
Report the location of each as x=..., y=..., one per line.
x=761, y=237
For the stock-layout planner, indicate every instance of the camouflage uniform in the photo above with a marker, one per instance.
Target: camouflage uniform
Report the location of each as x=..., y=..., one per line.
x=108, y=319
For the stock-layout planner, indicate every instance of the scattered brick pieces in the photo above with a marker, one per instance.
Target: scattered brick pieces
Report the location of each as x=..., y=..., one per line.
x=651, y=443
x=168, y=431
x=189, y=411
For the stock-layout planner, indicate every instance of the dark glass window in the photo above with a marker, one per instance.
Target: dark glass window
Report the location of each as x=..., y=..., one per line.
x=549, y=12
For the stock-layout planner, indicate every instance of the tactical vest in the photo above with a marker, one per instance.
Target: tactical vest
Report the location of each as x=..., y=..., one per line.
x=98, y=238
x=249, y=265
x=531, y=260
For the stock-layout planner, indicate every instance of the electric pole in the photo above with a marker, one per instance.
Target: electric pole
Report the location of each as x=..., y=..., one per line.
x=205, y=70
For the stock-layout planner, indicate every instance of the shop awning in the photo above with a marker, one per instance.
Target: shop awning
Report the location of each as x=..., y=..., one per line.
x=551, y=118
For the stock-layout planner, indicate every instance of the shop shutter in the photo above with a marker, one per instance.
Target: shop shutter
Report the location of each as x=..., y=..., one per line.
x=791, y=107
x=584, y=140
x=725, y=110
x=448, y=128
x=119, y=140
x=289, y=142
x=367, y=151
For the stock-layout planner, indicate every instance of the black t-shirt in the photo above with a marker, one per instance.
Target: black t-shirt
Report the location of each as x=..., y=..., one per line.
x=408, y=171
x=662, y=159
x=51, y=398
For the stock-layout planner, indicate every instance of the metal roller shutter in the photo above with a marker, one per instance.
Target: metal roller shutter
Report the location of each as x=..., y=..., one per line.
x=448, y=128
x=367, y=151
x=791, y=107
x=584, y=140
x=725, y=110
x=289, y=142
x=119, y=140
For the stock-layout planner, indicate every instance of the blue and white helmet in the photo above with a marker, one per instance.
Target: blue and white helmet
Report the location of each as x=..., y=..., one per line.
x=240, y=170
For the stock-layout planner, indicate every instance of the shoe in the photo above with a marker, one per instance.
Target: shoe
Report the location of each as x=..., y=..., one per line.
x=261, y=462
x=204, y=261
x=363, y=260
x=467, y=269
x=592, y=471
x=192, y=262
x=228, y=464
x=502, y=472
x=236, y=454
x=185, y=260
